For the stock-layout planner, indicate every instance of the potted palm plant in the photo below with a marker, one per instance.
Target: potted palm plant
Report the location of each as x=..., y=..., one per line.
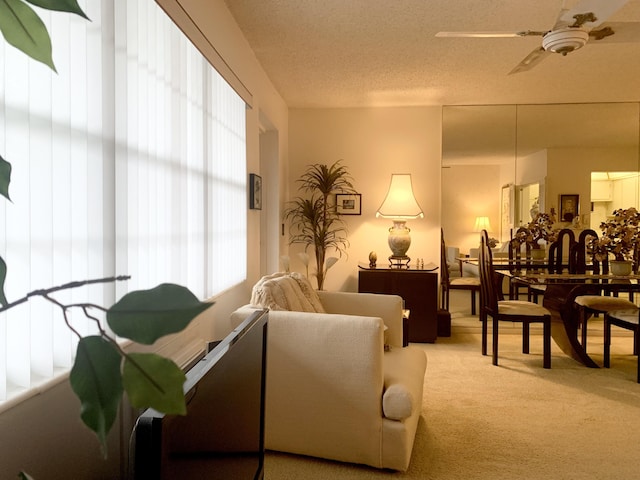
x=314, y=221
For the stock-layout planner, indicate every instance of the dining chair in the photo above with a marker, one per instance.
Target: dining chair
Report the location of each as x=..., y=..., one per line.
x=447, y=283
x=591, y=305
x=627, y=319
x=521, y=311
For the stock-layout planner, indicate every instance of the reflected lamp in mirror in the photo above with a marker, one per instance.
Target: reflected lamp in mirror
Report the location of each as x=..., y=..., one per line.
x=399, y=205
x=482, y=223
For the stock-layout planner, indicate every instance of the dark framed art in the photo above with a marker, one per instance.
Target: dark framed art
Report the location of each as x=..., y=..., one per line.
x=255, y=192
x=349, y=203
x=569, y=207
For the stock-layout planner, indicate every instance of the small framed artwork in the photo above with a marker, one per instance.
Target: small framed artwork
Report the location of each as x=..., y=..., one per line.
x=255, y=192
x=569, y=207
x=349, y=203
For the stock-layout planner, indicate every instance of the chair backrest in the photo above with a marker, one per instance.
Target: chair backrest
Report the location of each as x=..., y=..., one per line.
x=560, y=251
x=581, y=259
x=444, y=266
x=519, y=253
x=488, y=288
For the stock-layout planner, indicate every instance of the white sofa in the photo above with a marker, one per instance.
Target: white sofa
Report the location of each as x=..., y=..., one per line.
x=333, y=390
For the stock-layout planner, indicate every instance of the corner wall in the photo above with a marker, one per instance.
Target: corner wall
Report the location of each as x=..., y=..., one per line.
x=374, y=143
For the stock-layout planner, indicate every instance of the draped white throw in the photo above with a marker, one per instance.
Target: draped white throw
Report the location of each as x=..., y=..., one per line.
x=130, y=160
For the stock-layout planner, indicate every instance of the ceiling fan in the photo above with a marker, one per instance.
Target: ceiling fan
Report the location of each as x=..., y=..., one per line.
x=573, y=29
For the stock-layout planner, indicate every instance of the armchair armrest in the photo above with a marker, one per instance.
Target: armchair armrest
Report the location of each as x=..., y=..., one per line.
x=387, y=307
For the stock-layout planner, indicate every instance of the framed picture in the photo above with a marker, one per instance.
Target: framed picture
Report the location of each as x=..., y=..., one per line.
x=569, y=207
x=349, y=203
x=255, y=191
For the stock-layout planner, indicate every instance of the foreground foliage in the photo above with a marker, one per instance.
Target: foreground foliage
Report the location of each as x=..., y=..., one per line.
x=102, y=370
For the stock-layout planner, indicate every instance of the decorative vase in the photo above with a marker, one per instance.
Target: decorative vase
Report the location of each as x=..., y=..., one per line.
x=538, y=253
x=620, y=267
x=399, y=238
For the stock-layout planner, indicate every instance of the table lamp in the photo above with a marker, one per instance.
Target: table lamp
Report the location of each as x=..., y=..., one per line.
x=399, y=205
x=482, y=223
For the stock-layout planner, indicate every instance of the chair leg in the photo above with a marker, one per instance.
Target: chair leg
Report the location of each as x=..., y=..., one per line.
x=546, y=347
x=495, y=341
x=483, y=319
x=582, y=315
x=525, y=337
x=473, y=302
x=638, y=357
x=607, y=342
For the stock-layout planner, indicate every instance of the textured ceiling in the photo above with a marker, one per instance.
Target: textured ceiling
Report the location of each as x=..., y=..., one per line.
x=353, y=53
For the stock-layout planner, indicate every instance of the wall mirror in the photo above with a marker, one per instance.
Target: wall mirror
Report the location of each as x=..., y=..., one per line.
x=508, y=161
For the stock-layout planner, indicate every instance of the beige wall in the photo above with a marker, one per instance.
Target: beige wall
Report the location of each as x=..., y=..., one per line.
x=43, y=434
x=374, y=143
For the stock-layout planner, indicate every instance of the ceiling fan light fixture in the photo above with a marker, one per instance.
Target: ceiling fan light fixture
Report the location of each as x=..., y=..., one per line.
x=565, y=40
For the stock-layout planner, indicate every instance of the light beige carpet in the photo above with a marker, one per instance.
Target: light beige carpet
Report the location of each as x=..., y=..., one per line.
x=515, y=421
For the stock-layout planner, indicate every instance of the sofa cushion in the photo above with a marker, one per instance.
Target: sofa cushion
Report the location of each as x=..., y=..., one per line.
x=283, y=291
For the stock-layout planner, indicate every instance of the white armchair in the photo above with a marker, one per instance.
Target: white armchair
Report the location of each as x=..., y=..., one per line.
x=332, y=389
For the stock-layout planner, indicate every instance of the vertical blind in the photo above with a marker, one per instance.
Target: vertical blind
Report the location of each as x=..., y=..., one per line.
x=130, y=160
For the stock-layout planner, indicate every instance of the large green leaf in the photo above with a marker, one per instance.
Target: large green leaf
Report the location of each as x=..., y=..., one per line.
x=5, y=178
x=97, y=381
x=3, y=277
x=154, y=381
x=70, y=6
x=146, y=315
x=24, y=29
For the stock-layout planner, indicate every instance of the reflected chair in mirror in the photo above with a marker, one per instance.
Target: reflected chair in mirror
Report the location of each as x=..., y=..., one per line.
x=627, y=319
x=447, y=283
x=519, y=261
x=520, y=311
x=595, y=304
x=559, y=254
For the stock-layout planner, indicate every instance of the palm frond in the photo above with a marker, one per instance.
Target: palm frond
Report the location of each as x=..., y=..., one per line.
x=314, y=220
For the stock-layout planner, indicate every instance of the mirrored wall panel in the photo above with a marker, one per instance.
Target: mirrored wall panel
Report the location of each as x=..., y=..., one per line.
x=577, y=162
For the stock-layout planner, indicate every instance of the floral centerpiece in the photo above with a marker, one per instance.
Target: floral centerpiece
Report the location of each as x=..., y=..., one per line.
x=538, y=233
x=620, y=234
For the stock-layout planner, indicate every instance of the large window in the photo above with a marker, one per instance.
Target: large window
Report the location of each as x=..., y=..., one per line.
x=130, y=160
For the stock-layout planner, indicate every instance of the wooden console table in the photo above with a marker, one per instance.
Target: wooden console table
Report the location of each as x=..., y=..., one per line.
x=418, y=288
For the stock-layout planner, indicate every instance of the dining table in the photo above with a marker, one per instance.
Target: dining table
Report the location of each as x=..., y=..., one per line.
x=560, y=292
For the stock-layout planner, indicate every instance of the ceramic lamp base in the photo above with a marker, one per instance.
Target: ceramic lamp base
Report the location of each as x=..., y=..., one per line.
x=399, y=238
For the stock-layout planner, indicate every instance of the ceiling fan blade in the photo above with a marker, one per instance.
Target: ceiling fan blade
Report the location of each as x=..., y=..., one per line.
x=487, y=34
x=560, y=23
x=623, y=32
x=601, y=9
x=531, y=60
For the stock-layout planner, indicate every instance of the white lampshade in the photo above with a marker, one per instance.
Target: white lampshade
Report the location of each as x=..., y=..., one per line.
x=400, y=202
x=482, y=223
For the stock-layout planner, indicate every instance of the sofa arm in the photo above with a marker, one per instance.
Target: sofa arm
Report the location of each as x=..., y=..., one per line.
x=387, y=307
